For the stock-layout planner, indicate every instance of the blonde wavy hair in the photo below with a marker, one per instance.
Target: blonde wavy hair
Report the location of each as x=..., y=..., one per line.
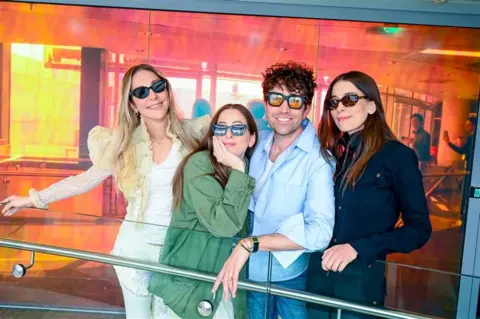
x=123, y=160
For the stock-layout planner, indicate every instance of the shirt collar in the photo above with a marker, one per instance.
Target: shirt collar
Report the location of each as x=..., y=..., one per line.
x=351, y=140
x=304, y=141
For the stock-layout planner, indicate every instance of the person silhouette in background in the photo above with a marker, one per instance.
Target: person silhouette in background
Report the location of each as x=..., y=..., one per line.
x=419, y=141
x=466, y=150
x=467, y=147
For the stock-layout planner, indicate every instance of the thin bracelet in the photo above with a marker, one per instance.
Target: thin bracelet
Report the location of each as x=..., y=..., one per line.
x=249, y=251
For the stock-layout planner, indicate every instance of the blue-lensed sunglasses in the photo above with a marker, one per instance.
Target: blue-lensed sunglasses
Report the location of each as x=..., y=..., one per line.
x=236, y=129
x=142, y=91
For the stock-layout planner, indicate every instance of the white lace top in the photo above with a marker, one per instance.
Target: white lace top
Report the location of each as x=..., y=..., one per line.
x=144, y=240
x=100, y=147
x=149, y=196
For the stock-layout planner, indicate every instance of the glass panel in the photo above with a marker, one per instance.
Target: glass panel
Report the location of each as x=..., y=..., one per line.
x=407, y=289
x=184, y=92
x=443, y=89
x=45, y=64
x=235, y=91
x=227, y=53
x=19, y=175
x=432, y=71
x=206, y=87
x=33, y=65
x=422, y=291
x=49, y=125
x=439, y=85
x=54, y=281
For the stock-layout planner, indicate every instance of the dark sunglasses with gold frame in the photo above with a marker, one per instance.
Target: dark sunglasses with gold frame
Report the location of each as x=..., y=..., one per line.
x=348, y=100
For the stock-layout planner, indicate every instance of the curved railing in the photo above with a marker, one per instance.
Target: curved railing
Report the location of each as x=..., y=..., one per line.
x=340, y=305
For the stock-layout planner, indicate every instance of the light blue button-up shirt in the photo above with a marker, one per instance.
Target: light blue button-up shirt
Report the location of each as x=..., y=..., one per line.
x=297, y=201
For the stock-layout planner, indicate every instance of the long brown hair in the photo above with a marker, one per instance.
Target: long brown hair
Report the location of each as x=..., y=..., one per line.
x=373, y=136
x=220, y=172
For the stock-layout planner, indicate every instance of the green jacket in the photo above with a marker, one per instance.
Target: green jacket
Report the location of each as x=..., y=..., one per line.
x=200, y=236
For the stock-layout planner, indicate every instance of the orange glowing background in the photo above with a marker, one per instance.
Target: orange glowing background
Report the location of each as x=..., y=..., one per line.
x=431, y=70
x=216, y=57
x=434, y=71
x=44, y=116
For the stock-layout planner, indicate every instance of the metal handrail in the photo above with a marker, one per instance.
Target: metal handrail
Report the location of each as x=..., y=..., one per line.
x=155, y=267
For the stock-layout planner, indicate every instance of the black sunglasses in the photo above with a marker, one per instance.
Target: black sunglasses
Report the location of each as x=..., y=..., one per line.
x=348, y=100
x=142, y=91
x=236, y=129
x=294, y=101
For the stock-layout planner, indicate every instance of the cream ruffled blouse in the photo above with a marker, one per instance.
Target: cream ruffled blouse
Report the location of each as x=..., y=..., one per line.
x=100, y=146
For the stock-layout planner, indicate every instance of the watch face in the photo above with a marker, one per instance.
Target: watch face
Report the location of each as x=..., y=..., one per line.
x=255, y=244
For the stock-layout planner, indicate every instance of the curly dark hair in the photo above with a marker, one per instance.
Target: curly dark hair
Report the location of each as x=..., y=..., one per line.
x=293, y=76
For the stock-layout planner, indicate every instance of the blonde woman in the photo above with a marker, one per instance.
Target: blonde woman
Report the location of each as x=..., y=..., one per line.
x=142, y=155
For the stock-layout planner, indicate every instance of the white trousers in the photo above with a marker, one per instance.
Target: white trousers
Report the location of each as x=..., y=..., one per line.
x=145, y=307
x=151, y=307
x=139, y=303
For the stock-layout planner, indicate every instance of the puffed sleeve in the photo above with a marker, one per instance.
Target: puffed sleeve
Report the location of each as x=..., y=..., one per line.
x=197, y=128
x=100, y=147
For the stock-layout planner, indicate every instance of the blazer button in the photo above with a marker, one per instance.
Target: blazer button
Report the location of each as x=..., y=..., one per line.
x=375, y=303
x=378, y=175
x=369, y=266
x=334, y=240
x=339, y=207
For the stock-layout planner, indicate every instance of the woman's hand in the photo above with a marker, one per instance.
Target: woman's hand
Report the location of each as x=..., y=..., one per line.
x=231, y=270
x=336, y=258
x=226, y=158
x=14, y=203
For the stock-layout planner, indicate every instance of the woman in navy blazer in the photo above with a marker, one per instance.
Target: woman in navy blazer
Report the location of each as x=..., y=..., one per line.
x=376, y=180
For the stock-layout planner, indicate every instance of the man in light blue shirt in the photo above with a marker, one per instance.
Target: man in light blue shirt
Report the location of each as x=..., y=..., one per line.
x=292, y=209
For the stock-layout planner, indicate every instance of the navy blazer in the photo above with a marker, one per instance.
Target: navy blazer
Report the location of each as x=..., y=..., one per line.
x=366, y=213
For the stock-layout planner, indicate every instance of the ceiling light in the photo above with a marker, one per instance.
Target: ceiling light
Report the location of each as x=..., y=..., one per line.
x=473, y=54
x=391, y=30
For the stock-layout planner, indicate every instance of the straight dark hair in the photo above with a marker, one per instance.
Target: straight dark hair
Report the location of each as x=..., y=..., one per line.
x=373, y=136
x=220, y=172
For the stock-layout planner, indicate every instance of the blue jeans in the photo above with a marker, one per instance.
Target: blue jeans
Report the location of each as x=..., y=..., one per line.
x=279, y=306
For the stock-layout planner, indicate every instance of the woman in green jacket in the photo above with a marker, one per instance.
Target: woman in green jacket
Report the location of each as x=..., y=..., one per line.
x=211, y=193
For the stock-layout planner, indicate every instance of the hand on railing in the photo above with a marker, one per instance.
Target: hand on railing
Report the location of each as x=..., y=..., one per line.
x=14, y=203
x=159, y=268
x=229, y=274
